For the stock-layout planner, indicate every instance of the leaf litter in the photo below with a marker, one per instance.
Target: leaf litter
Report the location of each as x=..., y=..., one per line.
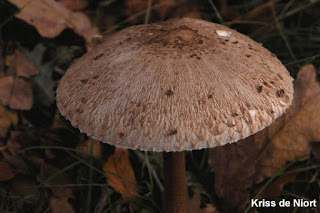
x=120, y=174
x=50, y=18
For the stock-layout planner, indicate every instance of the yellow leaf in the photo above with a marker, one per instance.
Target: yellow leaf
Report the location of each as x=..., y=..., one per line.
x=120, y=174
x=85, y=147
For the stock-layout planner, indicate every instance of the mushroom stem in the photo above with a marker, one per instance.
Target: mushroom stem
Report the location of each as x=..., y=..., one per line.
x=175, y=182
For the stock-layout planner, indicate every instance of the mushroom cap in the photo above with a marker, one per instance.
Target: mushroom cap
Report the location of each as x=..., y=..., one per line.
x=178, y=85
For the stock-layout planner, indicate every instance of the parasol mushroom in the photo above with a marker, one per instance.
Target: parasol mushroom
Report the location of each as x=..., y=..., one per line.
x=172, y=86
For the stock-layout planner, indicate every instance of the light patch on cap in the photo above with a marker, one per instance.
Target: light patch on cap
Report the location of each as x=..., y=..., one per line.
x=253, y=112
x=224, y=33
x=125, y=56
x=282, y=103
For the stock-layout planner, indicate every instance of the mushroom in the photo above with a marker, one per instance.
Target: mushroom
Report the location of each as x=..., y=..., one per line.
x=172, y=86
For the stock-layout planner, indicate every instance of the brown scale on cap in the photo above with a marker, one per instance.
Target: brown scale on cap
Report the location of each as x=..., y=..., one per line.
x=174, y=86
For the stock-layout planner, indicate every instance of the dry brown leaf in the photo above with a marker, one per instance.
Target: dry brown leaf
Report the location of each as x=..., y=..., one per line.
x=85, y=147
x=7, y=118
x=135, y=6
x=120, y=174
x=237, y=166
x=50, y=18
x=234, y=168
x=60, y=204
x=188, y=9
x=165, y=8
x=194, y=203
x=14, y=142
x=19, y=64
x=275, y=188
x=75, y=4
x=193, y=14
x=6, y=84
x=22, y=96
x=16, y=88
x=16, y=92
x=6, y=172
x=303, y=126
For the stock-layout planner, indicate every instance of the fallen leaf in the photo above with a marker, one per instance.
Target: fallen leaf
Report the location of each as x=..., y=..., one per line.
x=166, y=8
x=194, y=204
x=193, y=14
x=120, y=174
x=60, y=204
x=50, y=18
x=85, y=147
x=16, y=88
x=22, y=97
x=16, y=92
x=234, y=168
x=75, y=4
x=135, y=6
x=13, y=144
x=6, y=84
x=238, y=166
x=188, y=9
x=275, y=188
x=7, y=118
x=20, y=65
x=6, y=172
